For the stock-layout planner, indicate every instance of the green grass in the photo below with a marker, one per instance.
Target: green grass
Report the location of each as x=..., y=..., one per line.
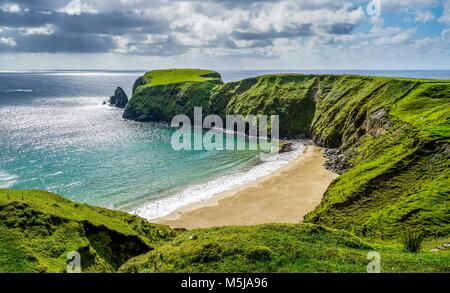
x=412, y=241
x=400, y=160
x=13, y=255
x=394, y=134
x=291, y=96
x=170, y=76
x=279, y=248
x=166, y=93
x=38, y=229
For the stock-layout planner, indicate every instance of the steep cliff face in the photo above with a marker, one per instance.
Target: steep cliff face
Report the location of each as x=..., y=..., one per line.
x=392, y=134
x=396, y=141
x=289, y=96
x=161, y=94
x=163, y=102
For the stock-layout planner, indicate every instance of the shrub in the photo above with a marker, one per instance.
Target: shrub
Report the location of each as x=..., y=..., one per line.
x=209, y=252
x=412, y=241
x=259, y=253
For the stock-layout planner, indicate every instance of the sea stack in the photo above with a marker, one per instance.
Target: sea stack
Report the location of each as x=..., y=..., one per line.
x=119, y=99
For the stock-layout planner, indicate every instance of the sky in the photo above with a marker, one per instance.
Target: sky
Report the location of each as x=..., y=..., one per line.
x=224, y=34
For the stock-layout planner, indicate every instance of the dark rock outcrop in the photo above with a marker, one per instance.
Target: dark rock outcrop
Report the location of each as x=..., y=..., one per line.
x=378, y=123
x=119, y=99
x=140, y=81
x=336, y=161
x=285, y=147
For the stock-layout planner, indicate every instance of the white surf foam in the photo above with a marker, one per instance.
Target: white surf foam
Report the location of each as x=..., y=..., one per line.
x=7, y=180
x=201, y=192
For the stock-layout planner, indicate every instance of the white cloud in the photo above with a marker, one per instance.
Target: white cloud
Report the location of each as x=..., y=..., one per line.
x=123, y=45
x=395, y=36
x=43, y=30
x=445, y=18
x=255, y=27
x=76, y=7
x=446, y=34
x=11, y=7
x=423, y=16
x=10, y=42
x=297, y=31
x=154, y=39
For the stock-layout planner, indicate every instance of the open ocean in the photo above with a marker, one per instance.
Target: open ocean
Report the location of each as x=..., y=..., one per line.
x=56, y=135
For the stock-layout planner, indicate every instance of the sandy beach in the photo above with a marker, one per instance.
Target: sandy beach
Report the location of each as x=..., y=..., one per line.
x=285, y=196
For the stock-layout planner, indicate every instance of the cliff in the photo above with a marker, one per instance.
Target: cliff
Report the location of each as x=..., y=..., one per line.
x=392, y=140
x=392, y=136
x=161, y=94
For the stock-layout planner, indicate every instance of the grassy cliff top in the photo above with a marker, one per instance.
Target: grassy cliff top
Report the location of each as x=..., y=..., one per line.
x=169, y=76
x=39, y=229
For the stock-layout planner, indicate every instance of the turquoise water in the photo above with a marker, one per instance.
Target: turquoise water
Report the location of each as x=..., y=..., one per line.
x=65, y=141
x=56, y=135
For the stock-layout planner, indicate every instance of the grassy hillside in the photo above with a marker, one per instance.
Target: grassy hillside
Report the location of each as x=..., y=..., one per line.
x=393, y=135
x=279, y=248
x=289, y=96
x=161, y=94
x=170, y=76
x=38, y=230
x=393, y=141
x=396, y=139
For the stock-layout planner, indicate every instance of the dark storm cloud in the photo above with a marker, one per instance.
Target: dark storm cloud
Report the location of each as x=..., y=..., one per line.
x=341, y=28
x=38, y=4
x=128, y=26
x=111, y=23
x=166, y=47
x=61, y=43
x=85, y=33
x=114, y=23
x=24, y=19
x=301, y=31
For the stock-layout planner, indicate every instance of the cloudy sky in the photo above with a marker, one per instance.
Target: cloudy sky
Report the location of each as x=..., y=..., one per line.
x=224, y=34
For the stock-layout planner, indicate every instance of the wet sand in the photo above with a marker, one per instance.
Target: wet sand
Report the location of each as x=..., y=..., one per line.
x=285, y=196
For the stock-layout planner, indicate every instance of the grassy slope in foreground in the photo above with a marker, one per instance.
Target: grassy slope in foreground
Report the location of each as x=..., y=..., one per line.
x=279, y=248
x=38, y=229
